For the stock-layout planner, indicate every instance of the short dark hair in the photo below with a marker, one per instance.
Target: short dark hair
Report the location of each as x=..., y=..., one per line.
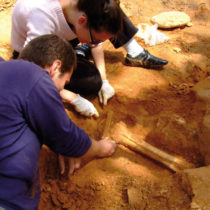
x=103, y=15
x=45, y=49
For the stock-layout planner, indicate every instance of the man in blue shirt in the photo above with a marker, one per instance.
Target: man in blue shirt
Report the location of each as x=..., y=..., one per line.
x=32, y=114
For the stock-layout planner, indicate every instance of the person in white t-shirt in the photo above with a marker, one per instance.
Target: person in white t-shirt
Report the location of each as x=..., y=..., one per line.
x=84, y=21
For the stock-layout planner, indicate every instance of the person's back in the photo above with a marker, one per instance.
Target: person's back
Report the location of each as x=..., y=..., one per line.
x=31, y=19
x=17, y=139
x=31, y=114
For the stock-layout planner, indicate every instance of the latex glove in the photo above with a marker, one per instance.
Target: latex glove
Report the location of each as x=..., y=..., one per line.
x=84, y=107
x=106, y=92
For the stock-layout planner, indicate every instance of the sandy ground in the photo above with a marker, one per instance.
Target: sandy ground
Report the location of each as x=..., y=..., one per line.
x=159, y=107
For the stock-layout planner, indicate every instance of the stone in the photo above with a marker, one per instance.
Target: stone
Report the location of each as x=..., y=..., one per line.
x=197, y=183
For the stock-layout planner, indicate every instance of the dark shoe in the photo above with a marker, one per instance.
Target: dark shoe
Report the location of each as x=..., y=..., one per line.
x=83, y=50
x=145, y=59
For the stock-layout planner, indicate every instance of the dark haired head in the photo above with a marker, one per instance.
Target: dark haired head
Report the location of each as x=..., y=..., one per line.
x=45, y=49
x=102, y=15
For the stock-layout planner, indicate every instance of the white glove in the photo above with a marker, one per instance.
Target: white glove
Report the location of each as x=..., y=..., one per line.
x=84, y=107
x=106, y=92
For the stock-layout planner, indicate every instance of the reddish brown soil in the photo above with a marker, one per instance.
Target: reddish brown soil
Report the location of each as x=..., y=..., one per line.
x=159, y=107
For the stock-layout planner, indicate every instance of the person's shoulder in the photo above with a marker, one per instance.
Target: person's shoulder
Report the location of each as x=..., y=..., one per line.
x=29, y=66
x=21, y=66
x=37, y=4
x=31, y=5
x=22, y=74
x=1, y=59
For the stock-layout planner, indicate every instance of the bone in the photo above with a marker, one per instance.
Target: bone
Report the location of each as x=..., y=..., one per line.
x=124, y=137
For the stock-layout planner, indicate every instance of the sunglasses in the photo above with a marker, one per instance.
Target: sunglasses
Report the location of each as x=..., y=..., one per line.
x=92, y=43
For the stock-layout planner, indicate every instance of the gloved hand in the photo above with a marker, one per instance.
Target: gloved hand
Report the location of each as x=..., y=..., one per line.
x=84, y=107
x=106, y=92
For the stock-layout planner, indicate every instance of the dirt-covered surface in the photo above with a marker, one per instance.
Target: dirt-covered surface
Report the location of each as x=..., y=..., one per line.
x=159, y=107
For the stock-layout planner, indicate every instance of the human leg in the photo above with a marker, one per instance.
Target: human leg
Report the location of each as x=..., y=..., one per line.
x=83, y=50
x=129, y=30
x=136, y=55
x=15, y=54
x=86, y=79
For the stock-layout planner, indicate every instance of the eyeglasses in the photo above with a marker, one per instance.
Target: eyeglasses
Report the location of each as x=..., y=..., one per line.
x=92, y=43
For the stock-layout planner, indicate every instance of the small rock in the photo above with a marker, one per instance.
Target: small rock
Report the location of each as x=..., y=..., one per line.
x=176, y=49
x=189, y=24
x=195, y=206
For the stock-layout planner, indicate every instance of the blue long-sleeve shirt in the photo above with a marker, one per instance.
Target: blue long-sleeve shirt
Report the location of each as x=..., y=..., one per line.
x=31, y=114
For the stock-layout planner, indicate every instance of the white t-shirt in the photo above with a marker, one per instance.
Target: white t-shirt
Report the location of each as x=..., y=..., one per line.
x=32, y=18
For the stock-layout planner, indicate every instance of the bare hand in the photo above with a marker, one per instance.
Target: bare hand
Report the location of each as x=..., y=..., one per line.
x=73, y=164
x=106, y=148
x=102, y=148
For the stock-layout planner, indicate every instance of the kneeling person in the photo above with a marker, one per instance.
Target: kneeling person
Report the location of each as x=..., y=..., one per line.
x=32, y=114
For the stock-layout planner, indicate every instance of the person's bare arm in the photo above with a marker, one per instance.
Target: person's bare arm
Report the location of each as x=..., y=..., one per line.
x=98, y=56
x=106, y=91
x=102, y=148
x=67, y=95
